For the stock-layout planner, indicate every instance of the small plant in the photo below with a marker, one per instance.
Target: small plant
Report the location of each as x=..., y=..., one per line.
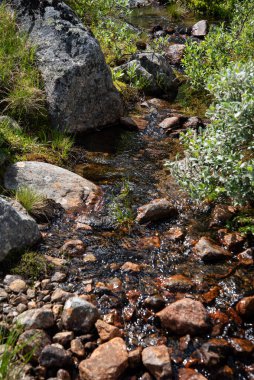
x=62, y=143
x=33, y=266
x=135, y=77
x=29, y=198
x=121, y=206
x=12, y=359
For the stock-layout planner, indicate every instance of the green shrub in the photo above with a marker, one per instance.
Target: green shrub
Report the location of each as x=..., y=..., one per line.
x=219, y=161
x=222, y=45
x=216, y=8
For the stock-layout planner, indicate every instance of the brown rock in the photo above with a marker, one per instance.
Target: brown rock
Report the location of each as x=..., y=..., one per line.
x=233, y=241
x=207, y=250
x=107, y=362
x=130, y=267
x=175, y=234
x=177, y=282
x=36, y=319
x=156, y=210
x=64, y=338
x=190, y=374
x=55, y=261
x=58, y=277
x=246, y=257
x=170, y=123
x=62, y=374
x=60, y=296
x=157, y=360
x=106, y=331
x=245, y=307
x=185, y=316
x=73, y=247
x=242, y=347
x=77, y=347
x=18, y=286
x=221, y=214
x=33, y=342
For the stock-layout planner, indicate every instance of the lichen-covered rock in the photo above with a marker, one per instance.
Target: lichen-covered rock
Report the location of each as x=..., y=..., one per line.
x=107, y=362
x=78, y=83
x=61, y=185
x=17, y=229
x=36, y=319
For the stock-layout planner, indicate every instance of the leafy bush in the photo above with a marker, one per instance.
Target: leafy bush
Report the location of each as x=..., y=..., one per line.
x=221, y=46
x=21, y=94
x=219, y=161
x=107, y=21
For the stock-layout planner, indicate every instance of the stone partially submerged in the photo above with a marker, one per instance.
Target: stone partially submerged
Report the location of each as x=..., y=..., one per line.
x=78, y=84
x=61, y=185
x=17, y=229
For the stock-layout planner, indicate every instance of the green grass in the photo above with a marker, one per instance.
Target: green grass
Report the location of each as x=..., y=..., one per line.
x=176, y=11
x=29, y=198
x=12, y=359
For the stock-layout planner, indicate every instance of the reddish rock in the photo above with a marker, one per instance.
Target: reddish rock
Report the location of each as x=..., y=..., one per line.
x=135, y=358
x=148, y=242
x=77, y=347
x=157, y=360
x=245, y=307
x=246, y=257
x=177, y=282
x=211, y=295
x=156, y=210
x=207, y=250
x=221, y=214
x=73, y=247
x=169, y=123
x=107, y=362
x=64, y=338
x=185, y=316
x=242, y=347
x=190, y=374
x=175, y=234
x=130, y=267
x=233, y=241
x=106, y=331
x=174, y=53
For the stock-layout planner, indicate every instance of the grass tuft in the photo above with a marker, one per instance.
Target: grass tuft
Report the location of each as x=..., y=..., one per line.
x=29, y=198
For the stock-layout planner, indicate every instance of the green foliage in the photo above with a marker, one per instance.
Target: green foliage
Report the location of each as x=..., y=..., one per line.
x=219, y=161
x=33, y=266
x=135, y=77
x=107, y=21
x=121, y=206
x=21, y=94
x=12, y=359
x=176, y=11
x=216, y=8
x=222, y=45
x=29, y=198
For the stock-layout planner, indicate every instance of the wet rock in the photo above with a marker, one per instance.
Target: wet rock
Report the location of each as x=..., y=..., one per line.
x=156, y=210
x=52, y=356
x=107, y=362
x=72, y=65
x=130, y=267
x=242, y=347
x=17, y=229
x=200, y=29
x=77, y=347
x=246, y=257
x=185, y=316
x=18, y=286
x=3, y=295
x=170, y=123
x=89, y=258
x=33, y=342
x=79, y=315
x=177, y=282
x=155, y=302
x=245, y=307
x=224, y=373
x=156, y=72
x=221, y=214
x=64, y=338
x=190, y=374
x=106, y=331
x=210, y=354
x=129, y=123
x=207, y=250
x=135, y=358
x=53, y=182
x=174, y=53
x=73, y=247
x=211, y=295
x=36, y=319
x=233, y=241
x=175, y=234
x=157, y=360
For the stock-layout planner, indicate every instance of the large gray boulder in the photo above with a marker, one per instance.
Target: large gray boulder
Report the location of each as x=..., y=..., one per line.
x=61, y=185
x=17, y=229
x=78, y=83
x=154, y=72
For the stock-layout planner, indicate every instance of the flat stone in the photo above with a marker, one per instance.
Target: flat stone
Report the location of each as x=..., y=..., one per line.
x=157, y=360
x=36, y=319
x=177, y=282
x=106, y=331
x=207, y=250
x=53, y=182
x=79, y=315
x=130, y=267
x=55, y=261
x=170, y=123
x=73, y=247
x=107, y=362
x=156, y=210
x=60, y=296
x=185, y=316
